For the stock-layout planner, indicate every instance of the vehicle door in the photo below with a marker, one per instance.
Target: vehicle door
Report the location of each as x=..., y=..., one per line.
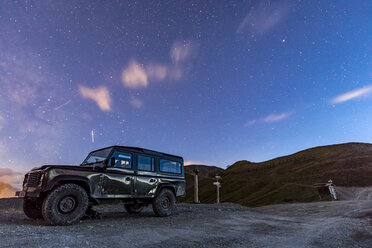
x=118, y=179
x=146, y=180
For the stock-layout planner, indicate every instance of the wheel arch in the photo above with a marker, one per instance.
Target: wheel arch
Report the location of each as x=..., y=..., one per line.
x=81, y=181
x=165, y=186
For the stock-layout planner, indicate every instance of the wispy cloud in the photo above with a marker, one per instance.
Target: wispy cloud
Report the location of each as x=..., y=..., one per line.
x=352, y=95
x=30, y=90
x=162, y=72
x=134, y=76
x=157, y=71
x=2, y=122
x=263, y=17
x=21, y=81
x=276, y=117
x=136, y=102
x=250, y=123
x=182, y=50
x=269, y=118
x=100, y=95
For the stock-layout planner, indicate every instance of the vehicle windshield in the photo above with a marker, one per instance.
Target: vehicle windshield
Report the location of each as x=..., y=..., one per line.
x=97, y=156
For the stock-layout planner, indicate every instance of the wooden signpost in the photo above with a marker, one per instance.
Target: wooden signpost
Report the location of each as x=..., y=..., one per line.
x=196, y=186
x=218, y=186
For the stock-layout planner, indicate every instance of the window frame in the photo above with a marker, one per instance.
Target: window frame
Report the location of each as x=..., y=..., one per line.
x=122, y=168
x=152, y=159
x=169, y=172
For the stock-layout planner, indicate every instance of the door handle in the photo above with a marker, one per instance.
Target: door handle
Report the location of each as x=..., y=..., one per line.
x=152, y=180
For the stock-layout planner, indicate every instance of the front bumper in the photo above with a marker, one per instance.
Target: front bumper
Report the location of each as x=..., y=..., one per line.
x=28, y=192
x=20, y=193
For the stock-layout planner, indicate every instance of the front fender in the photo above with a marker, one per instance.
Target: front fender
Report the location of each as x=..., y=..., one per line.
x=83, y=181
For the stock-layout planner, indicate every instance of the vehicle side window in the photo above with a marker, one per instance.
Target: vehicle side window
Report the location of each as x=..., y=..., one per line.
x=145, y=163
x=169, y=166
x=122, y=160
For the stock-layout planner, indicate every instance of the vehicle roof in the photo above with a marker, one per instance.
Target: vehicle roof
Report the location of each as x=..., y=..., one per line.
x=142, y=150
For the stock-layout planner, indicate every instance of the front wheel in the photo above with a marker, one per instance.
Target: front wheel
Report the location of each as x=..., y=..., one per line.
x=134, y=208
x=65, y=205
x=164, y=203
x=32, y=208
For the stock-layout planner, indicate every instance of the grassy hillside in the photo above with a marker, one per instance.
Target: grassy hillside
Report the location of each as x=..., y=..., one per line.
x=6, y=190
x=290, y=178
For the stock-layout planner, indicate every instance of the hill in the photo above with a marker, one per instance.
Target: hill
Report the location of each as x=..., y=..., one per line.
x=204, y=170
x=291, y=178
x=6, y=190
x=206, y=179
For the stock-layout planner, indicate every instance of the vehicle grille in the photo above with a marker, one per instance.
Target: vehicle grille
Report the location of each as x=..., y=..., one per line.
x=32, y=179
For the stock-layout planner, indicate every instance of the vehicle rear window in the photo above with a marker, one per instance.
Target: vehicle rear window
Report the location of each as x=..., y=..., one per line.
x=145, y=163
x=169, y=166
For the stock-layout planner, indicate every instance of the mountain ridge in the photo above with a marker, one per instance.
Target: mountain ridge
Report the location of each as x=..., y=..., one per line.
x=290, y=178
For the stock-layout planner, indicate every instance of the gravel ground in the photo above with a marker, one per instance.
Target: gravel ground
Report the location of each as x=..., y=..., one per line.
x=322, y=224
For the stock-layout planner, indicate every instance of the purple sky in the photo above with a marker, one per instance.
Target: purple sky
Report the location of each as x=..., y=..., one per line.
x=214, y=82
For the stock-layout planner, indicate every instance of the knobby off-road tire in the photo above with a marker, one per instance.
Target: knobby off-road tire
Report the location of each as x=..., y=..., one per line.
x=134, y=208
x=65, y=205
x=32, y=208
x=164, y=203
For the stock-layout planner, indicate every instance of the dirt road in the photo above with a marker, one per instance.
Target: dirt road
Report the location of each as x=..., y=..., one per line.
x=322, y=224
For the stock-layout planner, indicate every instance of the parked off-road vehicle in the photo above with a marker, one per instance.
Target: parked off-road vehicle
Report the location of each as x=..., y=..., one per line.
x=63, y=194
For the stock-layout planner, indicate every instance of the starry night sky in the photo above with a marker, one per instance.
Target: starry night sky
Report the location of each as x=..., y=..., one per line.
x=214, y=82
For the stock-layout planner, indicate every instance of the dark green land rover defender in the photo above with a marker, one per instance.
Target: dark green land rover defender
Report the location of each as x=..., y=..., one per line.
x=63, y=194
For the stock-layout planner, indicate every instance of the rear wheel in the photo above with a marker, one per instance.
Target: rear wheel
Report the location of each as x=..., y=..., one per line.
x=65, y=205
x=164, y=203
x=32, y=208
x=134, y=208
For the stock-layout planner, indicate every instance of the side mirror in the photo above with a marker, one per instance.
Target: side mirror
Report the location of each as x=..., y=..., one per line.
x=112, y=161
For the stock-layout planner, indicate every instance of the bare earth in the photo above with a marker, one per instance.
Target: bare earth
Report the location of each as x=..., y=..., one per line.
x=345, y=223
